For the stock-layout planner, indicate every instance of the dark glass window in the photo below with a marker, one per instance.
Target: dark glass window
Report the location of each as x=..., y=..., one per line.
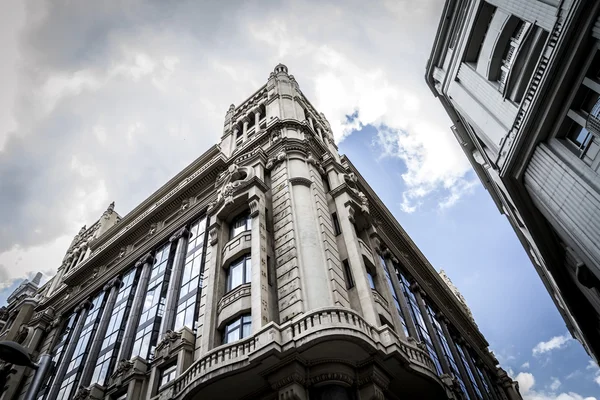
x=370, y=279
x=241, y=223
x=388, y=279
x=191, y=276
x=116, y=326
x=463, y=355
x=424, y=335
x=348, y=275
x=168, y=374
x=336, y=224
x=238, y=329
x=239, y=272
x=59, y=350
x=154, y=303
x=83, y=341
x=447, y=352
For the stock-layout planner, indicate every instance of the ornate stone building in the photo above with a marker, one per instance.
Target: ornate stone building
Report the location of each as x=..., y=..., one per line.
x=266, y=269
x=520, y=82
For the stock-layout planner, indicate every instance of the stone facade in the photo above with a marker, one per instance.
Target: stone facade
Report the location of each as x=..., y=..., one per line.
x=519, y=80
x=266, y=269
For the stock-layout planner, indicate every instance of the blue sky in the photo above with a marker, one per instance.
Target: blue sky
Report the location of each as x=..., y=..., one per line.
x=106, y=101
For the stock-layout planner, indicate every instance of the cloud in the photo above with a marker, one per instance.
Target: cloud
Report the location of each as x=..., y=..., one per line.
x=526, y=382
x=557, y=342
x=592, y=366
x=103, y=102
x=525, y=365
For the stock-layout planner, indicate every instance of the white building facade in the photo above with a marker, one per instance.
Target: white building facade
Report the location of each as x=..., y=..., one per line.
x=266, y=269
x=520, y=82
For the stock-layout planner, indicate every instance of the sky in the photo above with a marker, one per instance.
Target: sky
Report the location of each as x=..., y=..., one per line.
x=104, y=101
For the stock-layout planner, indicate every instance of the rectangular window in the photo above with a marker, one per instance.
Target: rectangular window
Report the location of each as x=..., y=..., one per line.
x=154, y=303
x=239, y=224
x=388, y=279
x=348, y=275
x=239, y=272
x=336, y=224
x=116, y=326
x=370, y=279
x=238, y=329
x=463, y=355
x=191, y=281
x=168, y=374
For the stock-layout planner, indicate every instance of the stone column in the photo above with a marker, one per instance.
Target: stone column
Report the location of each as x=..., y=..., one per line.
x=245, y=121
x=74, y=260
x=236, y=131
x=419, y=294
x=136, y=308
x=355, y=260
x=168, y=319
x=207, y=314
x=310, y=121
x=410, y=324
x=260, y=284
x=313, y=266
x=112, y=287
x=256, y=121
x=466, y=349
x=59, y=375
x=461, y=368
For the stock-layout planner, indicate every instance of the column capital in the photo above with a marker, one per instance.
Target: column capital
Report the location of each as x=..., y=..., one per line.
x=85, y=305
x=145, y=259
x=114, y=282
x=441, y=318
x=181, y=233
x=246, y=119
x=254, y=204
x=416, y=288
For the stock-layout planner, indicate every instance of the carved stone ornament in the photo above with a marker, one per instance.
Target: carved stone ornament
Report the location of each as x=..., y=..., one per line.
x=276, y=135
x=231, y=181
x=273, y=161
x=254, y=207
x=82, y=394
x=123, y=368
x=312, y=160
x=122, y=252
x=146, y=258
x=331, y=377
x=183, y=232
x=214, y=234
x=163, y=348
x=153, y=228
x=185, y=204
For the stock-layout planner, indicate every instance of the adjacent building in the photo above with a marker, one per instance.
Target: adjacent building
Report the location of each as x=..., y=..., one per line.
x=520, y=80
x=266, y=269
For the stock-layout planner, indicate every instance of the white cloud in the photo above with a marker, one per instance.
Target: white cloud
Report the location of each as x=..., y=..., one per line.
x=557, y=342
x=592, y=366
x=110, y=107
x=526, y=387
x=526, y=381
x=525, y=365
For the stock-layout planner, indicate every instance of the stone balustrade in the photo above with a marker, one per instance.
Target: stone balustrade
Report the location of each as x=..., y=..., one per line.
x=320, y=323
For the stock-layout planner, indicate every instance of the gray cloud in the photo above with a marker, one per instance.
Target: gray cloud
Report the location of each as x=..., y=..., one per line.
x=114, y=98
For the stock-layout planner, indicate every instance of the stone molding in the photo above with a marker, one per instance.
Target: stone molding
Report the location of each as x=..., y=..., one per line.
x=243, y=290
x=114, y=282
x=299, y=180
x=329, y=322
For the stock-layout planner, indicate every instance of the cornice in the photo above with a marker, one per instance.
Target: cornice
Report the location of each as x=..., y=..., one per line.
x=211, y=159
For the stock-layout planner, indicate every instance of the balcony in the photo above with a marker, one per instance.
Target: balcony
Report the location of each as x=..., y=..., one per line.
x=331, y=333
x=237, y=247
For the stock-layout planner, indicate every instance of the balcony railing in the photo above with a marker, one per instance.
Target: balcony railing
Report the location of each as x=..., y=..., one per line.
x=320, y=323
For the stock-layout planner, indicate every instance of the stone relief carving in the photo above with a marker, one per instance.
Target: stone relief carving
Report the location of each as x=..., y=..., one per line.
x=231, y=181
x=271, y=162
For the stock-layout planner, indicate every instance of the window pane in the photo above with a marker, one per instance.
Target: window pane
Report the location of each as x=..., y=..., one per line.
x=248, y=271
